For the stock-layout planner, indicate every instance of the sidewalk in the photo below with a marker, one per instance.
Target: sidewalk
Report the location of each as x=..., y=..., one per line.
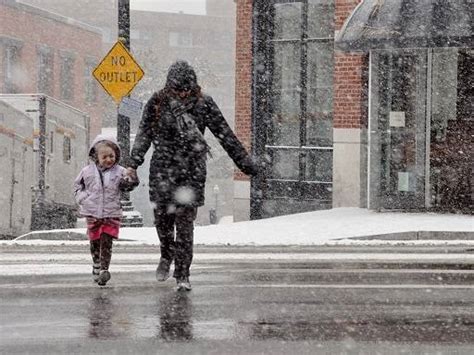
x=339, y=226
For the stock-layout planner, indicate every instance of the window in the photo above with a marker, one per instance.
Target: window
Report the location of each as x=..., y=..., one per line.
x=180, y=39
x=11, y=62
x=67, y=150
x=90, y=84
x=45, y=71
x=67, y=77
x=294, y=64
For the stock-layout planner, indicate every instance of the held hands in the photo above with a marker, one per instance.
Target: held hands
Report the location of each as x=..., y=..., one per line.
x=131, y=174
x=129, y=180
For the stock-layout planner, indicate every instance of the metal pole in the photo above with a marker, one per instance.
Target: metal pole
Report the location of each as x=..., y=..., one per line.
x=258, y=125
x=124, y=22
x=123, y=122
x=38, y=213
x=42, y=152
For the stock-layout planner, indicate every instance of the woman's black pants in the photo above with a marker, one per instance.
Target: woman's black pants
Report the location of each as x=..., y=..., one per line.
x=179, y=249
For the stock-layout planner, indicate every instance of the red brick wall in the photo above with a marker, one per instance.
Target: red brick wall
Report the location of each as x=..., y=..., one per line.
x=243, y=76
x=349, y=78
x=32, y=30
x=349, y=75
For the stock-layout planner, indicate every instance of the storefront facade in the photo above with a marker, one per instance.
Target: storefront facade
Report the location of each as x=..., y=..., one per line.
x=353, y=105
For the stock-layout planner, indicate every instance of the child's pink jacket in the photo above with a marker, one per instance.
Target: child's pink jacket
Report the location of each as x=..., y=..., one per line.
x=96, y=197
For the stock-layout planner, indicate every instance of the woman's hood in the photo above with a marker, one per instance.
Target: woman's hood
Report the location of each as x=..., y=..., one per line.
x=181, y=76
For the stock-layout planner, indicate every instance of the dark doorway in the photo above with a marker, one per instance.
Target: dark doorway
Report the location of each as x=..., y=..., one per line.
x=452, y=130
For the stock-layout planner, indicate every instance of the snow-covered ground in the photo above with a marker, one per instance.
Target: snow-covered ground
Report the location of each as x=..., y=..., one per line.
x=335, y=226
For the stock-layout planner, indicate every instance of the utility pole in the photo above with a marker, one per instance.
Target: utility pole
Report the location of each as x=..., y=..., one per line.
x=123, y=122
x=133, y=218
x=42, y=153
x=39, y=215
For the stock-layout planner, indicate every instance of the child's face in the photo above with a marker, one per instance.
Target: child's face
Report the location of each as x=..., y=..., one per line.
x=106, y=156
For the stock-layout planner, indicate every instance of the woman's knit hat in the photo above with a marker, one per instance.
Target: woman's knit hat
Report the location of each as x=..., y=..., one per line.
x=181, y=76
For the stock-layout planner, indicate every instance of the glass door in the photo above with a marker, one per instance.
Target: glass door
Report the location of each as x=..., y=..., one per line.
x=397, y=156
x=452, y=130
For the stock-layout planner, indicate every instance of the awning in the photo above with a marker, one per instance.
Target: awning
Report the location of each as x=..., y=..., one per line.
x=408, y=24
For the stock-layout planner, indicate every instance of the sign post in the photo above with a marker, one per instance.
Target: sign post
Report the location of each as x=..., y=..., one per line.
x=123, y=122
x=118, y=73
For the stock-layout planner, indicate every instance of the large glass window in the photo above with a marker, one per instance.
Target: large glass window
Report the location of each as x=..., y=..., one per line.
x=319, y=101
x=286, y=94
x=294, y=69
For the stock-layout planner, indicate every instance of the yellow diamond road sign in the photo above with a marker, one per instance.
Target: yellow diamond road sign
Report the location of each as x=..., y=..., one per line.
x=118, y=73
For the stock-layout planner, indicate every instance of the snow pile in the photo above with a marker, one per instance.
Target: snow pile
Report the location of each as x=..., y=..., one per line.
x=312, y=228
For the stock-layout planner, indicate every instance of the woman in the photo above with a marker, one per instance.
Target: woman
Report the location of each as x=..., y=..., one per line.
x=174, y=120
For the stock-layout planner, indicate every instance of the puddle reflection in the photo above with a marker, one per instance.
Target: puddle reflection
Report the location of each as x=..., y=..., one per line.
x=106, y=318
x=456, y=330
x=175, y=311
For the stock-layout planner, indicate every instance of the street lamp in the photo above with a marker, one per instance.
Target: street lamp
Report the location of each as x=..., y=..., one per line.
x=215, y=190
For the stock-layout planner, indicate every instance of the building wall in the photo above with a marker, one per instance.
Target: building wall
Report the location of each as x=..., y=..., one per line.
x=99, y=13
x=45, y=178
x=33, y=29
x=349, y=120
x=243, y=102
x=220, y=8
x=16, y=176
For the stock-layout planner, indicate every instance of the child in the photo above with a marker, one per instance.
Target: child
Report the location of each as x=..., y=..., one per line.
x=97, y=190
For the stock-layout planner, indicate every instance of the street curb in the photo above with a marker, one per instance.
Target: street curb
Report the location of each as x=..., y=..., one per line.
x=419, y=235
x=47, y=235
x=402, y=236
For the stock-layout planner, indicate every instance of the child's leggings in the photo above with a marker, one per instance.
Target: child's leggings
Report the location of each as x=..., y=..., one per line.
x=101, y=251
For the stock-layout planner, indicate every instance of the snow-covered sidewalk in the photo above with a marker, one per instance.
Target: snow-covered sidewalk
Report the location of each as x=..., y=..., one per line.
x=335, y=226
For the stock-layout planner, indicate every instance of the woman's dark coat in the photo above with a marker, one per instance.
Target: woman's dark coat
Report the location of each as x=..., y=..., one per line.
x=178, y=166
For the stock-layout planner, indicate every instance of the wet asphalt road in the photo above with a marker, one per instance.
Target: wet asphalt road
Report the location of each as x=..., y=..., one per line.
x=247, y=305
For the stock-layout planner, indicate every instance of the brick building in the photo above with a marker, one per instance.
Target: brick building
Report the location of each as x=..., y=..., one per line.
x=42, y=52
x=355, y=103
